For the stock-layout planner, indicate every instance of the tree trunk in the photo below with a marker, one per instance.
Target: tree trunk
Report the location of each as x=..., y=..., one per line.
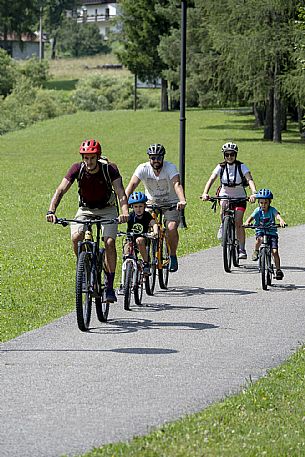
x=301, y=112
x=259, y=113
x=268, y=124
x=53, y=52
x=277, y=124
x=164, y=95
x=135, y=95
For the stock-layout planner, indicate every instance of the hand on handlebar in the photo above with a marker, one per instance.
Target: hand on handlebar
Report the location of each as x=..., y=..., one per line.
x=122, y=218
x=205, y=196
x=51, y=217
x=252, y=198
x=181, y=205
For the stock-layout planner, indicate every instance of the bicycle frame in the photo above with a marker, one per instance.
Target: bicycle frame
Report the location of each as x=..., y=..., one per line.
x=157, y=214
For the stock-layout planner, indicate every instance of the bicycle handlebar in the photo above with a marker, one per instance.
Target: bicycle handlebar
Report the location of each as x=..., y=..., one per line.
x=64, y=222
x=162, y=207
x=231, y=199
x=264, y=227
x=133, y=234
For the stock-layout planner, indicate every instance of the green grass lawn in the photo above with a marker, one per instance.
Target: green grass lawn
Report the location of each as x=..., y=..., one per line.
x=38, y=265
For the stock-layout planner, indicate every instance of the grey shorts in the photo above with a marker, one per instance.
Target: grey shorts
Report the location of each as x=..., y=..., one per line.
x=108, y=230
x=172, y=215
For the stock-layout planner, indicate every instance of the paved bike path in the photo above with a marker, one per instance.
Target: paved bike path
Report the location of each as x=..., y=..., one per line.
x=64, y=391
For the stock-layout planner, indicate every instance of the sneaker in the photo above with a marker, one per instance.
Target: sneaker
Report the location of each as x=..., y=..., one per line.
x=242, y=254
x=254, y=255
x=173, y=264
x=279, y=274
x=110, y=296
x=120, y=290
x=146, y=269
x=219, y=233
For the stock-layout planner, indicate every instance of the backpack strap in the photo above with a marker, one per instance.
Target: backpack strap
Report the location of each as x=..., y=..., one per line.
x=224, y=167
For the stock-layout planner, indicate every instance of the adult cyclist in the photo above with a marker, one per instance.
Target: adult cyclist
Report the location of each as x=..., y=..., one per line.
x=233, y=175
x=162, y=187
x=98, y=183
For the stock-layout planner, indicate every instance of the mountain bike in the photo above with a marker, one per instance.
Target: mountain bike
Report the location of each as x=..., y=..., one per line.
x=230, y=244
x=158, y=250
x=133, y=277
x=265, y=261
x=91, y=280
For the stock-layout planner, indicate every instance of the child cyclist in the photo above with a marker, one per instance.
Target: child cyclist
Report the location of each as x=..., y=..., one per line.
x=266, y=214
x=234, y=175
x=141, y=221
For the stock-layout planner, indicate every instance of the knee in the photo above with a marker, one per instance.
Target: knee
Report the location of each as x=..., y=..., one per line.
x=109, y=244
x=140, y=242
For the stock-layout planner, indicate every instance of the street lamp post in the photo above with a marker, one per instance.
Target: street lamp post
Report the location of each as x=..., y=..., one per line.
x=182, y=102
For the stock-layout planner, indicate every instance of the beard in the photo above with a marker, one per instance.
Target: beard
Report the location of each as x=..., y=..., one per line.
x=157, y=165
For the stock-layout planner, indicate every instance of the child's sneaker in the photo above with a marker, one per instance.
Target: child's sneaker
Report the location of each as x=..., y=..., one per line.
x=146, y=269
x=242, y=254
x=279, y=274
x=254, y=255
x=219, y=233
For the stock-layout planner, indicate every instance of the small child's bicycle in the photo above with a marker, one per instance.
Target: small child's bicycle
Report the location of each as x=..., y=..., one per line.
x=265, y=261
x=91, y=281
x=158, y=250
x=133, y=277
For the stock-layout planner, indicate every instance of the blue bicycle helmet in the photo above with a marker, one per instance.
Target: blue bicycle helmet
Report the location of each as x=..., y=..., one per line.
x=264, y=193
x=137, y=197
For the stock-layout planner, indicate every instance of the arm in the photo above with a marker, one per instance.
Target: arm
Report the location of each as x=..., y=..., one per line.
x=132, y=185
x=63, y=187
x=252, y=186
x=249, y=220
x=179, y=192
x=281, y=220
x=207, y=187
x=154, y=226
x=120, y=191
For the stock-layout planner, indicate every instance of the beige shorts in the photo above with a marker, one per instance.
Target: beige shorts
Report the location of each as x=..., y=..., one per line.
x=172, y=215
x=108, y=230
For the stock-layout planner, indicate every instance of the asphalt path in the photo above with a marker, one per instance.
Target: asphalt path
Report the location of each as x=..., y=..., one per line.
x=65, y=392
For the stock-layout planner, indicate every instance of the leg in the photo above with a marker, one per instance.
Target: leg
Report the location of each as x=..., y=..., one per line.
x=110, y=261
x=240, y=231
x=173, y=237
x=76, y=237
x=141, y=245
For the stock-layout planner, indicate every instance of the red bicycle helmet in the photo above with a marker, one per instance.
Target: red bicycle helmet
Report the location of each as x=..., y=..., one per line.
x=90, y=147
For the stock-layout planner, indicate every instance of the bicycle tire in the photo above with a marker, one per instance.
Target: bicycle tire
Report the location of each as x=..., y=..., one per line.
x=138, y=287
x=150, y=281
x=101, y=305
x=128, y=285
x=227, y=244
x=264, y=267
x=269, y=270
x=83, y=294
x=163, y=272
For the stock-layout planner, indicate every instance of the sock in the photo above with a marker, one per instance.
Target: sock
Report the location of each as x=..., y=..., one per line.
x=110, y=279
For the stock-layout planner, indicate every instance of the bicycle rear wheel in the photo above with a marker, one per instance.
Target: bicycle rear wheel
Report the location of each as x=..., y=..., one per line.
x=83, y=293
x=128, y=285
x=138, y=287
x=264, y=267
x=150, y=281
x=101, y=306
x=163, y=272
x=227, y=243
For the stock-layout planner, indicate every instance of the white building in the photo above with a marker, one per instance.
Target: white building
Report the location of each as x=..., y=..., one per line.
x=101, y=12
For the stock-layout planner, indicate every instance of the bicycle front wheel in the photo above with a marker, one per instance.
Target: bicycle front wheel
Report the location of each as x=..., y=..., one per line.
x=264, y=267
x=83, y=292
x=163, y=272
x=150, y=281
x=128, y=285
x=101, y=305
x=138, y=287
x=227, y=243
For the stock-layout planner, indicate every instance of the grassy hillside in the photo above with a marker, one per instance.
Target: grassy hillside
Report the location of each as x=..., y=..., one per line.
x=38, y=265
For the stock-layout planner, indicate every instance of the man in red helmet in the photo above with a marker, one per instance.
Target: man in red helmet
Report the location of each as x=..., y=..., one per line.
x=98, y=184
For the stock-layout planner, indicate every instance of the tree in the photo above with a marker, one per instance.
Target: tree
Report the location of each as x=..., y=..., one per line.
x=140, y=30
x=54, y=14
x=8, y=73
x=18, y=16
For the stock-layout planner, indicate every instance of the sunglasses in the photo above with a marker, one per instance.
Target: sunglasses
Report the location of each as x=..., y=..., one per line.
x=158, y=158
x=230, y=154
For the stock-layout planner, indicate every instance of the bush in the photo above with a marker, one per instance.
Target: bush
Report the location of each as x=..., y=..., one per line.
x=37, y=71
x=99, y=92
x=8, y=73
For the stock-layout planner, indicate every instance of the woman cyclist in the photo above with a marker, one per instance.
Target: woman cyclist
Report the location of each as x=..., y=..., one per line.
x=233, y=176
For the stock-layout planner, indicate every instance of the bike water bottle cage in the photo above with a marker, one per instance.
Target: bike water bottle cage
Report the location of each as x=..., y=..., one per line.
x=137, y=197
x=156, y=149
x=264, y=194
